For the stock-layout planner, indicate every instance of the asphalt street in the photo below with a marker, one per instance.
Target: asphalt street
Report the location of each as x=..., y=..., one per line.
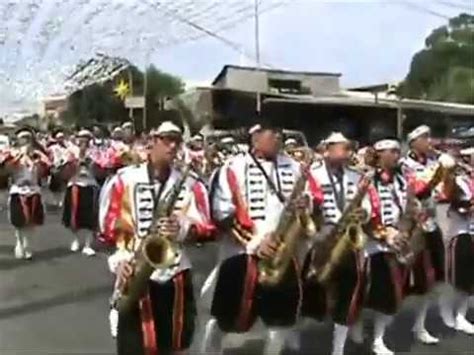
x=57, y=303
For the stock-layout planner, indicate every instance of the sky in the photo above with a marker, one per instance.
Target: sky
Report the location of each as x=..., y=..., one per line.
x=368, y=42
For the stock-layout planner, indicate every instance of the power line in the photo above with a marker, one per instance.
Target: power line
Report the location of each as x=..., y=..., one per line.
x=423, y=9
x=231, y=44
x=456, y=6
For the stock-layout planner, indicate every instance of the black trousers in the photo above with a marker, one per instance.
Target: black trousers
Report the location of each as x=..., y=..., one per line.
x=173, y=315
x=460, y=263
x=428, y=267
x=239, y=299
x=80, y=210
x=385, y=286
x=26, y=210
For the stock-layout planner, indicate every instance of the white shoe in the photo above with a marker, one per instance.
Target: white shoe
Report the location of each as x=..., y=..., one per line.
x=463, y=325
x=113, y=321
x=28, y=255
x=88, y=251
x=75, y=246
x=379, y=348
x=426, y=338
x=448, y=319
x=356, y=334
x=19, y=252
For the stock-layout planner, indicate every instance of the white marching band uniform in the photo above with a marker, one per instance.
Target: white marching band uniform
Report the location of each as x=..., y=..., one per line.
x=80, y=207
x=332, y=192
x=26, y=210
x=242, y=195
x=128, y=205
x=460, y=256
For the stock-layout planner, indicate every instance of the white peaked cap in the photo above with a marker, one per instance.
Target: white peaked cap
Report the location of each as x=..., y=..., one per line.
x=197, y=138
x=418, y=132
x=166, y=127
x=290, y=141
x=127, y=125
x=255, y=128
x=84, y=133
x=336, y=137
x=387, y=144
x=24, y=134
x=117, y=130
x=227, y=140
x=467, y=151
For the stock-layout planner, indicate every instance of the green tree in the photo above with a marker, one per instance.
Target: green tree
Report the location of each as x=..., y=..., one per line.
x=98, y=103
x=444, y=69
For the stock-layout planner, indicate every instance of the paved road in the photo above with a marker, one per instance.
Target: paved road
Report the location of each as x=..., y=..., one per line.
x=57, y=304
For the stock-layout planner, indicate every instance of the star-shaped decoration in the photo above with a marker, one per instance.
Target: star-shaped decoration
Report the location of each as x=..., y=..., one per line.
x=122, y=90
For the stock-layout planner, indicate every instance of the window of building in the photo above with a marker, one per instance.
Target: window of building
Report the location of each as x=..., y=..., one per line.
x=286, y=86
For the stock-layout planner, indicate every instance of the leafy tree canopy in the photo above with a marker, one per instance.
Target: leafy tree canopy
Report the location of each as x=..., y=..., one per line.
x=99, y=103
x=444, y=69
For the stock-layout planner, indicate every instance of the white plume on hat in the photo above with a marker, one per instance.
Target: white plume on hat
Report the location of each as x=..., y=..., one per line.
x=84, y=133
x=418, y=132
x=387, y=144
x=255, y=128
x=467, y=151
x=336, y=137
x=290, y=141
x=166, y=127
x=227, y=140
x=24, y=134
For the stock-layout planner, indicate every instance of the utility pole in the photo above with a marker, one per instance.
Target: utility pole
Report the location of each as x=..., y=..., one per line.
x=257, y=32
x=145, y=90
x=257, y=49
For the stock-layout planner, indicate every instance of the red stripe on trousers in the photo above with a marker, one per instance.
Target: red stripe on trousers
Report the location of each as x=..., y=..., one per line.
x=355, y=300
x=397, y=278
x=24, y=207
x=74, y=206
x=178, y=311
x=150, y=346
x=250, y=283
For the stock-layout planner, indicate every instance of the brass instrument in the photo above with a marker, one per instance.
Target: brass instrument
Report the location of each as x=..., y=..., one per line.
x=409, y=239
x=459, y=164
x=346, y=236
x=304, y=155
x=155, y=251
x=291, y=226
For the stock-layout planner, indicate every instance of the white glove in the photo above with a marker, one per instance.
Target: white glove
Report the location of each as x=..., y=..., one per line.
x=446, y=161
x=113, y=321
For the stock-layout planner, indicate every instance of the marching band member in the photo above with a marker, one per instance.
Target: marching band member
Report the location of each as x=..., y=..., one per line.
x=124, y=150
x=128, y=133
x=164, y=318
x=80, y=202
x=194, y=154
x=425, y=172
x=27, y=166
x=247, y=201
x=388, y=198
x=58, y=150
x=460, y=250
x=101, y=154
x=333, y=186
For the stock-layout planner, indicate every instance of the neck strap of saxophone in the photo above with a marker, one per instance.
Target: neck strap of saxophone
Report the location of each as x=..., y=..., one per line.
x=271, y=184
x=152, y=180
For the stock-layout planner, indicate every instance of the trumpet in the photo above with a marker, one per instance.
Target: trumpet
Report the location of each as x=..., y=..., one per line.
x=459, y=164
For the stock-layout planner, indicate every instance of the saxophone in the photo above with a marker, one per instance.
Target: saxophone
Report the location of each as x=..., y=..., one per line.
x=155, y=251
x=346, y=236
x=291, y=226
x=412, y=240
